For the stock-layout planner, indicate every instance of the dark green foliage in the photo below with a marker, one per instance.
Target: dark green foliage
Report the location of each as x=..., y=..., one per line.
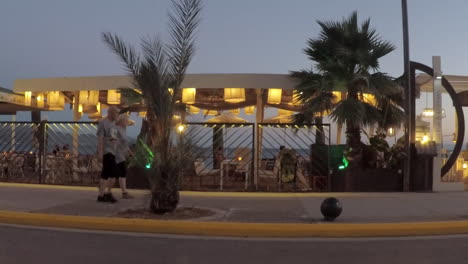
x=157, y=68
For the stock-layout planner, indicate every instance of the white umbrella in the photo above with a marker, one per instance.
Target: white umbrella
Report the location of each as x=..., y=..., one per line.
x=226, y=118
x=281, y=119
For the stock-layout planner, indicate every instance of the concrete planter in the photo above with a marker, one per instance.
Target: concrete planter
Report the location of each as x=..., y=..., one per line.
x=368, y=180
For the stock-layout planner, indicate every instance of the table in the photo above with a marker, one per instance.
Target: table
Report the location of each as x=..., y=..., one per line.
x=225, y=164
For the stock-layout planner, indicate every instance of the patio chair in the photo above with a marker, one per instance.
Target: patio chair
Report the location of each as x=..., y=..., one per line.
x=243, y=169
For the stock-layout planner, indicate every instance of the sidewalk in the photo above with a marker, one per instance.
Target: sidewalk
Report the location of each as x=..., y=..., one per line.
x=246, y=207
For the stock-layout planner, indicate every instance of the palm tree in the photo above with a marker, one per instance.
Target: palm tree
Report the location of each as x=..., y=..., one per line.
x=347, y=57
x=158, y=69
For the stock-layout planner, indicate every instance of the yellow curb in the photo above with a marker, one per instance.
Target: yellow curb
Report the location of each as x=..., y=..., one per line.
x=235, y=229
x=46, y=186
x=205, y=194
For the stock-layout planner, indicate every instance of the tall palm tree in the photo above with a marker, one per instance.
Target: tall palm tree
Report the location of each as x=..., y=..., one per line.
x=347, y=56
x=159, y=68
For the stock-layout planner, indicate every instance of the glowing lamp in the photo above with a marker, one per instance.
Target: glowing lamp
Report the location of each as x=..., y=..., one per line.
x=234, y=95
x=97, y=114
x=425, y=139
x=56, y=100
x=40, y=100
x=429, y=112
x=369, y=98
x=180, y=128
x=249, y=110
x=337, y=97
x=113, y=97
x=296, y=99
x=27, y=98
x=235, y=111
x=88, y=97
x=188, y=95
x=274, y=95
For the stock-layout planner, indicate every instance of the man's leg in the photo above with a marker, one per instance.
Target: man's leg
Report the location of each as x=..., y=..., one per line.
x=123, y=184
x=123, y=180
x=102, y=186
x=103, y=180
x=110, y=184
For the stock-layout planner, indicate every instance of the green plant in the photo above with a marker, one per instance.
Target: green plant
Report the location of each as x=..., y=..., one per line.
x=288, y=161
x=346, y=57
x=161, y=66
x=388, y=157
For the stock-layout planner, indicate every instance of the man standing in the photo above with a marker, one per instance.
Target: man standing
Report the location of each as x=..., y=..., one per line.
x=107, y=148
x=123, y=151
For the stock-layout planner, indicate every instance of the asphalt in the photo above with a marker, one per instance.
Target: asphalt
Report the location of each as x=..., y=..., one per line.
x=20, y=245
x=248, y=208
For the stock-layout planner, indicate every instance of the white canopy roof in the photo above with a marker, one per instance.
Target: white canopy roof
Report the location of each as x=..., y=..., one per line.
x=219, y=80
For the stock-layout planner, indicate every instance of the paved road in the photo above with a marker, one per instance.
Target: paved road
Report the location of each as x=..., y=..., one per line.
x=357, y=207
x=20, y=245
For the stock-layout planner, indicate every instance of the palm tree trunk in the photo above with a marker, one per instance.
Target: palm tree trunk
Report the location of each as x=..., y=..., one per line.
x=353, y=144
x=165, y=193
x=319, y=134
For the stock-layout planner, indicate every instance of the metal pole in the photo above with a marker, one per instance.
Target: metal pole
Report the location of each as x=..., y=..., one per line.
x=408, y=95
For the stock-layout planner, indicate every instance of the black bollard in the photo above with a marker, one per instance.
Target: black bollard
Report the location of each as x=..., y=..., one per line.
x=331, y=209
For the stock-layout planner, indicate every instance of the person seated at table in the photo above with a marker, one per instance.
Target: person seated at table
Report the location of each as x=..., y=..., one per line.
x=277, y=166
x=56, y=150
x=66, y=150
x=66, y=147
x=219, y=157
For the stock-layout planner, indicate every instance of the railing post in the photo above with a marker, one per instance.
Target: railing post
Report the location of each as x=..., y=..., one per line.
x=255, y=161
x=42, y=144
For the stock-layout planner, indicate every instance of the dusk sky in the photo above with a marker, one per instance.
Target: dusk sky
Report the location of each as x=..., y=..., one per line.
x=57, y=38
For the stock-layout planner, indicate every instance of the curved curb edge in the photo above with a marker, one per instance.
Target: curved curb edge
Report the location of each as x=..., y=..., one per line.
x=230, y=229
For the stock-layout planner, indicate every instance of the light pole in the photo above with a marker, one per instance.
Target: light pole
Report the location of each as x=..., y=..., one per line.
x=409, y=125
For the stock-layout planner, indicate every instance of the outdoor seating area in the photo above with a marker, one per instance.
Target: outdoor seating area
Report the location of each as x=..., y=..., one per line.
x=236, y=145
x=57, y=169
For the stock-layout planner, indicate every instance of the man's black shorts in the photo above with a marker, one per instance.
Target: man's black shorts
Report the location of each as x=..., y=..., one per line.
x=109, y=167
x=122, y=167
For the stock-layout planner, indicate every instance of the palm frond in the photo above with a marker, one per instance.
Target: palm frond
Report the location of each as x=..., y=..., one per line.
x=349, y=110
x=126, y=52
x=183, y=22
